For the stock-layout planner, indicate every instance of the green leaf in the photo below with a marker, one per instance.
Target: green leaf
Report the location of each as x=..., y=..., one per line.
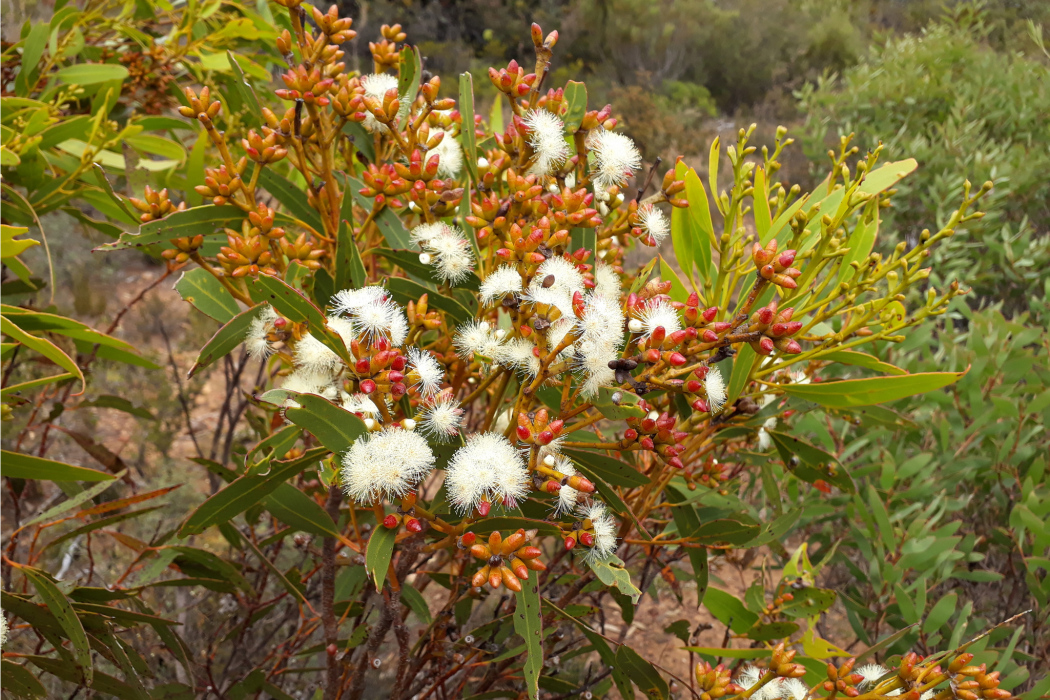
x=687, y=522
x=620, y=677
x=609, y=469
x=576, y=100
x=812, y=464
x=642, y=673
x=377, y=556
x=849, y=393
x=505, y=523
x=860, y=359
x=743, y=363
x=860, y=243
x=394, y=232
x=678, y=291
x=809, y=601
x=19, y=681
x=735, y=531
x=226, y=339
x=611, y=572
x=22, y=466
x=200, y=288
x=763, y=216
x=91, y=73
x=467, y=137
x=242, y=86
x=44, y=347
x=528, y=622
x=729, y=611
x=157, y=145
x=405, y=290
x=293, y=305
x=730, y=653
x=293, y=198
x=334, y=427
x=940, y=613
x=242, y=493
x=62, y=610
x=12, y=247
x=415, y=602
x=295, y=509
x=409, y=73
x=770, y=631
x=204, y=221
x=617, y=404
x=32, y=51
x=349, y=267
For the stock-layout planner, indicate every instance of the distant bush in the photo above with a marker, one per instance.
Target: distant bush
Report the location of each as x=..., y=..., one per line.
x=963, y=111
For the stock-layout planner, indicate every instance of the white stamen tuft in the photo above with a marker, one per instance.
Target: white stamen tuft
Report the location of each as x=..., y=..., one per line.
x=441, y=419
x=616, y=159
x=716, y=390
x=385, y=465
x=426, y=371
x=547, y=138
x=503, y=281
x=486, y=468
x=655, y=223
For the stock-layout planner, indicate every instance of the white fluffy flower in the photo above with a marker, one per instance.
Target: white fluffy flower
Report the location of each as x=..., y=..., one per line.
x=606, y=282
x=567, y=279
x=654, y=223
x=549, y=296
x=715, y=386
x=750, y=676
x=304, y=381
x=477, y=338
x=604, y=529
x=314, y=356
x=794, y=689
x=441, y=418
x=255, y=339
x=426, y=372
x=376, y=86
x=448, y=250
x=450, y=155
x=3, y=628
x=567, y=496
x=372, y=314
x=600, y=331
x=547, y=138
x=503, y=281
x=347, y=301
x=359, y=403
x=487, y=468
x=520, y=354
x=344, y=327
x=615, y=159
x=659, y=314
x=870, y=673
x=385, y=465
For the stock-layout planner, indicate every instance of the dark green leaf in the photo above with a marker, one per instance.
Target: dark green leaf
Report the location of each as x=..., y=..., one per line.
x=203, y=291
x=23, y=466
x=293, y=198
x=528, y=622
x=295, y=509
x=20, y=682
x=642, y=673
x=729, y=611
x=405, y=290
x=377, y=556
x=349, y=267
x=204, y=221
x=810, y=463
x=849, y=393
x=293, y=305
x=809, y=601
x=467, y=136
x=61, y=608
x=118, y=403
x=609, y=469
x=334, y=427
x=226, y=339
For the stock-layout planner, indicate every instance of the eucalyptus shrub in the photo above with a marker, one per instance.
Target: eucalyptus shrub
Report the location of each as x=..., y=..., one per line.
x=470, y=412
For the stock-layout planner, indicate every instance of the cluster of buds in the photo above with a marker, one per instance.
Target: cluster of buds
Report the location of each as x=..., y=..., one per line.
x=573, y=209
x=336, y=29
x=245, y=255
x=670, y=187
x=775, y=268
x=535, y=247
x=842, y=679
x=655, y=433
x=781, y=662
x=537, y=428
x=773, y=330
x=553, y=480
x=512, y=80
x=220, y=184
x=420, y=314
x=200, y=108
x=405, y=515
x=261, y=223
x=156, y=205
x=711, y=472
x=703, y=320
x=507, y=561
x=384, y=52
x=308, y=85
x=972, y=682
x=714, y=681
x=426, y=190
x=382, y=181
x=379, y=368
x=263, y=149
x=304, y=251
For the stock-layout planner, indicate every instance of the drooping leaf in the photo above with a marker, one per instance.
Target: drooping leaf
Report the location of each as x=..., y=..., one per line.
x=295, y=509
x=226, y=339
x=91, y=73
x=528, y=622
x=860, y=359
x=377, y=555
x=610, y=469
x=849, y=393
x=242, y=493
x=118, y=403
x=729, y=610
x=205, y=220
x=63, y=611
x=467, y=137
x=207, y=295
x=405, y=290
x=22, y=466
x=642, y=673
x=44, y=347
x=293, y=305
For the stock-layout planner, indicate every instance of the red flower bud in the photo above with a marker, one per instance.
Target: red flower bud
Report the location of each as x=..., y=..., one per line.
x=390, y=521
x=413, y=525
x=587, y=539
x=368, y=386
